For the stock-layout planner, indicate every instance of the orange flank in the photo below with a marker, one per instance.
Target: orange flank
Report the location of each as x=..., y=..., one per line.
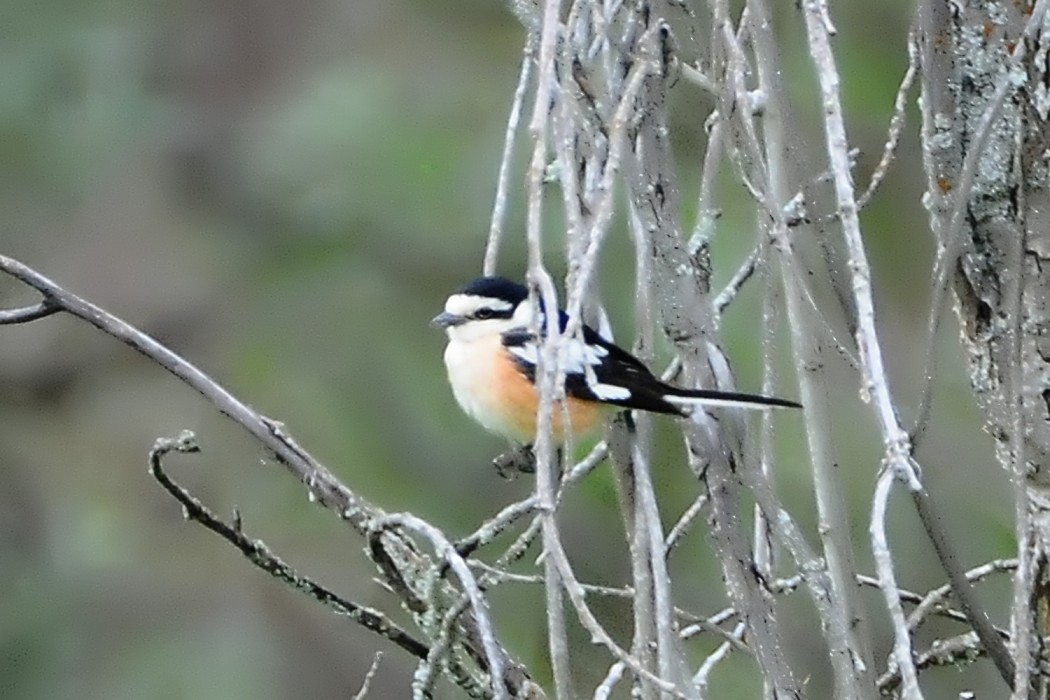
x=521, y=396
x=490, y=387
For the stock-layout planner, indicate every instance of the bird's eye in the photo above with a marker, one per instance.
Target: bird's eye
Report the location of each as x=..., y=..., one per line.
x=483, y=314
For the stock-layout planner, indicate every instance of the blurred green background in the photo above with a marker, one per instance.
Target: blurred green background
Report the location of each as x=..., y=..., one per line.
x=284, y=193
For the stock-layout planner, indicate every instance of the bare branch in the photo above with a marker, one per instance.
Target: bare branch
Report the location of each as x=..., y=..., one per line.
x=875, y=383
x=367, y=682
x=900, y=103
x=695, y=76
x=960, y=583
x=605, y=688
x=576, y=594
x=842, y=620
x=623, y=439
x=932, y=600
x=680, y=289
x=703, y=674
x=685, y=521
x=329, y=492
x=494, y=526
x=494, y=655
x=259, y=554
x=28, y=313
x=736, y=282
x=499, y=205
x=956, y=651
x=880, y=550
x=948, y=232
x=391, y=552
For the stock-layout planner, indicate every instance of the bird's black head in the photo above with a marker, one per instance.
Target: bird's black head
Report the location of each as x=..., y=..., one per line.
x=495, y=288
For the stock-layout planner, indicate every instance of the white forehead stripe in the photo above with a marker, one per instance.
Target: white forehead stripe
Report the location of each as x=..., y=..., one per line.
x=466, y=304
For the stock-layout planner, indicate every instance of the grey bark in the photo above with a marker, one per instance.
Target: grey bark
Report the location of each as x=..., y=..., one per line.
x=980, y=61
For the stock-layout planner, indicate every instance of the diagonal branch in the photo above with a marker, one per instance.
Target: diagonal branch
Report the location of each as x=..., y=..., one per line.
x=397, y=555
x=259, y=554
x=328, y=490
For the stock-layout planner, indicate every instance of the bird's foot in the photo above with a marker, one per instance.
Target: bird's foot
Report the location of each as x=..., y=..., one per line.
x=520, y=459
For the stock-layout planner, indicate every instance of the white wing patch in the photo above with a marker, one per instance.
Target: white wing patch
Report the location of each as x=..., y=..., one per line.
x=527, y=353
x=582, y=359
x=580, y=356
x=609, y=392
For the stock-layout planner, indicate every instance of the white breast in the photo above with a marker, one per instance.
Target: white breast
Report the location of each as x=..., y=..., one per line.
x=470, y=372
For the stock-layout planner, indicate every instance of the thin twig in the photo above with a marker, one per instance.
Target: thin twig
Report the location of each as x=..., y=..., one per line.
x=499, y=205
x=622, y=436
x=946, y=554
x=685, y=522
x=955, y=651
x=900, y=104
x=371, y=674
x=700, y=679
x=739, y=278
x=880, y=550
x=603, y=216
x=697, y=77
x=427, y=670
x=706, y=212
x=494, y=526
x=765, y=551
x=585, y=466
x=614, y=675
x=28, y=313
x=932, y=600
x=502, y=575
x=875, y=379
x=494, y=654
x=259, y=554
x=576, y=594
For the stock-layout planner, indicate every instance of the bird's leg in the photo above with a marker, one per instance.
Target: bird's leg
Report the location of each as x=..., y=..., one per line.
x=519, y=459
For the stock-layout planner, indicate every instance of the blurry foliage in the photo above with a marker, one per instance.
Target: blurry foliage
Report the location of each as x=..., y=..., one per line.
x=285, y=196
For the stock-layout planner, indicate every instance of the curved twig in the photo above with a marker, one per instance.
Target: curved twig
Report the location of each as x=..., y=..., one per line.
x=259, y=554
x=28, y=313
x=395, y=553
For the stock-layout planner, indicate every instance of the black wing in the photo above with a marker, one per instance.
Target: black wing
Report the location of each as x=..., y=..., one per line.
x=618, y=378
x=606, y=373
x=647, y=390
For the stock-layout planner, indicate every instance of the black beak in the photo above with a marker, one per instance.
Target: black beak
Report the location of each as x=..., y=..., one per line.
x=446, y=320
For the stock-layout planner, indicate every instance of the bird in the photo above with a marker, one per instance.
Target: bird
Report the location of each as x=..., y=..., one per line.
x=493, y=350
